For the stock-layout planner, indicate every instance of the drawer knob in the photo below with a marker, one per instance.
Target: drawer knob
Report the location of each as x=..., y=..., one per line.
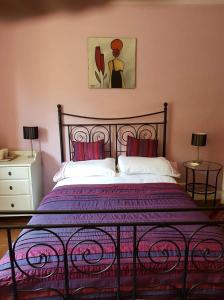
x=10, y=173
x=11, y=188
x=12, y=205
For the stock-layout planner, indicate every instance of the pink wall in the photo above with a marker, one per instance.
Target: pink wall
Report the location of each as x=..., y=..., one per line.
x=179, y=59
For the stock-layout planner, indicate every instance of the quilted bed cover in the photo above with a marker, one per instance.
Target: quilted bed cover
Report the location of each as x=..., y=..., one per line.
x=91, y=252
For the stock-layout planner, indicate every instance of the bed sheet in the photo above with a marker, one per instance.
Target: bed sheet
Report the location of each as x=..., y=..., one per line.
x=119, y=178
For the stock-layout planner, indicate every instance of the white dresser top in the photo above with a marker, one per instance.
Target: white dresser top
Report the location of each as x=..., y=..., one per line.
x=23, y=158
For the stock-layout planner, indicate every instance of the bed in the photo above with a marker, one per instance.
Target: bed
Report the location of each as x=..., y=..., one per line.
x=126, y=233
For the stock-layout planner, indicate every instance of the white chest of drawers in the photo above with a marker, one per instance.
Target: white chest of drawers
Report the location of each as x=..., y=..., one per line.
x=20, y=182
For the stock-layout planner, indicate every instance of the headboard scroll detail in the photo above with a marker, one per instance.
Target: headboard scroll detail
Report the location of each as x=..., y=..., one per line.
x=114, y=131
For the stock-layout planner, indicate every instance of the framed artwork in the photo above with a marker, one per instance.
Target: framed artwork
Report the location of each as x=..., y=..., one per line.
x=111, y=62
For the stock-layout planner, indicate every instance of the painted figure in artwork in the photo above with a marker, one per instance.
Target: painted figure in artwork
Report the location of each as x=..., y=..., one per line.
x=116, y=65
x=111, y=62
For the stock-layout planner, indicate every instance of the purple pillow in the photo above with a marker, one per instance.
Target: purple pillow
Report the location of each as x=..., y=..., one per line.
x=88, y=150
x=141, y=147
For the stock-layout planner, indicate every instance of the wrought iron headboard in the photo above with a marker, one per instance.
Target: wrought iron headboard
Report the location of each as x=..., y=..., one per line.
x=114, y=131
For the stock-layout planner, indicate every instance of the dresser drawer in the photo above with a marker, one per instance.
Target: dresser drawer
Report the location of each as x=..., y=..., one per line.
x=14, y=173
x=15, y=203
x=14, y=187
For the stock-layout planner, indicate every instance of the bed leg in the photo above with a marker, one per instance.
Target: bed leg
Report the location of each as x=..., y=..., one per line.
x=12, y=259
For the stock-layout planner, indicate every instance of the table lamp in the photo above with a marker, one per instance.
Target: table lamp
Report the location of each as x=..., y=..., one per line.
x=30, y=133
x=199, y=140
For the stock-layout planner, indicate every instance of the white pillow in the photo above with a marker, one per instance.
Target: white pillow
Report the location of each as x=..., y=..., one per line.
x=99, y=167
x=146, y=165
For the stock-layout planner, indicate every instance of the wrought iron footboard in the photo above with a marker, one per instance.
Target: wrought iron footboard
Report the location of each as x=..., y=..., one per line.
x=161, y=260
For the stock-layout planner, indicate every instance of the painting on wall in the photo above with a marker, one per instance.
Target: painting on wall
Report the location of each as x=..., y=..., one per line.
x=111, y=62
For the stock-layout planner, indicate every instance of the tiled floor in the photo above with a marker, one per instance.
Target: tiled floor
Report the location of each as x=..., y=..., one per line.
x=3, y=235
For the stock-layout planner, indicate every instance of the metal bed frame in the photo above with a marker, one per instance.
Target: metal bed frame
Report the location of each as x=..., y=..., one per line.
x=114, y=131
x=182, y=291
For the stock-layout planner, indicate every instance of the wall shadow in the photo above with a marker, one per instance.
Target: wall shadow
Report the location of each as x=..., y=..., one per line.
x=49, y=167
x=14, y=10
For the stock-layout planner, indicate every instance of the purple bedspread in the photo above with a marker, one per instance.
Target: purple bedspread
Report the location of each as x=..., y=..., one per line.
x=92, y=261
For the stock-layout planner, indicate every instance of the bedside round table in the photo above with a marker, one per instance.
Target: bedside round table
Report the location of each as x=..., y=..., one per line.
x=201, y=183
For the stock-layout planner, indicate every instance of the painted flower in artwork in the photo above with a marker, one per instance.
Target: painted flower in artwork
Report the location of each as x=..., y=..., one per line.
x=100, y=65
